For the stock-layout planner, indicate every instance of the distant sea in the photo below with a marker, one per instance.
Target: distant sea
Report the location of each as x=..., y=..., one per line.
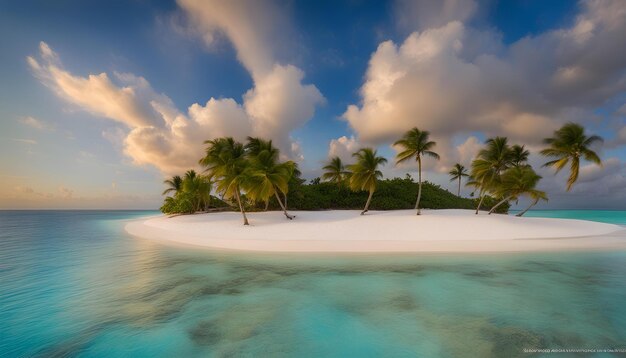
x=606, y=216
x=73, y=283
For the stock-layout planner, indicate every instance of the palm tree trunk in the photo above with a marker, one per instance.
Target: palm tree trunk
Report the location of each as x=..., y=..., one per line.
x=419, y=190
x=500, y=203
x=458, y=193
x=367, y=204
x=528, y=208
x=285, y=200
x=243, y=212
x=267, y=204
x=480, y=202
x=282, y=206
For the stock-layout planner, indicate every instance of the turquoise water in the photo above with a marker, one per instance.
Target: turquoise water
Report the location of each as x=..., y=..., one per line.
x=607, y=216
x=74, y=284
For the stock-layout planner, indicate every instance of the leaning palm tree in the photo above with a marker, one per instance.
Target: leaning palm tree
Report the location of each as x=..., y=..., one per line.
x=415, y=144
x=490, y=163
x=226, y=164
x=365, y=174
x=519, y=155
x=515, y=182
x=568, y=145
x=335, y=171
x=174, y=184
x=266, y=176
x=535, y=196
x=457, y=173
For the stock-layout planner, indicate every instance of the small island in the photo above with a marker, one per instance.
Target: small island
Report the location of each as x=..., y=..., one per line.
x=251, y=178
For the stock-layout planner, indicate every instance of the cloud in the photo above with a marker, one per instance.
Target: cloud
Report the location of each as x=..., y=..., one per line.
x=468, y=150
x=131, y=103
x=157, y=133
x=35, y=123
x=24, y=189
x=25, y=141
x=65, y=193
x=343, y=147
x=255, y=28
x=593, y=172
x=455, y=80
x=607, y=184
x=279, y=102
x=115, y=136
x=85, y=156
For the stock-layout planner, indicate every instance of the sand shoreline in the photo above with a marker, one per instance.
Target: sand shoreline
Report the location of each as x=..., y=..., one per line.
x=401, y=231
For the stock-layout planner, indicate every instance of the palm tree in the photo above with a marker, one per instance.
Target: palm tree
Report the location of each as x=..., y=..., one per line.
x=415, y=144
x=174, y=184
x=568, y=145
x=253, y=147
x=535, y=196
x=516, y=181
x=294, y=180
x=226, y=163
x=198, y=187
x=365, y=174
x=487, y=167
x=266, y=176
x=335, y=171
x=190, y=174
x=519, y=155
x=457, y=173
x=256, y=145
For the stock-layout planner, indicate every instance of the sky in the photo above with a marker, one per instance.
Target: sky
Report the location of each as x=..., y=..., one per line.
x=101, y=101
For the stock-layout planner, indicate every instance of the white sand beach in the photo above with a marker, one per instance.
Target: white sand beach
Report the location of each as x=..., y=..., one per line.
x=380, y=231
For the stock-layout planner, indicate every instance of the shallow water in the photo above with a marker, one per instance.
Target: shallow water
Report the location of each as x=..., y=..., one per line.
x=74, y=284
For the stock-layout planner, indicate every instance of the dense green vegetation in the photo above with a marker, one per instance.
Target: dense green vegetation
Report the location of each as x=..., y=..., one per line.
x=390, y=194
x=190, y=194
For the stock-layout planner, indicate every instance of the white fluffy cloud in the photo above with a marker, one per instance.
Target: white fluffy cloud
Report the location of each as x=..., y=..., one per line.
x=255, y=28
x=129, y=103
x=468, y=150
x=453, y=79
x=156, y=132
x=279, y=101
x=343, y=147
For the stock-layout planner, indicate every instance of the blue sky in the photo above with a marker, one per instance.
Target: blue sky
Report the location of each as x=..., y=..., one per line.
x=464, y=70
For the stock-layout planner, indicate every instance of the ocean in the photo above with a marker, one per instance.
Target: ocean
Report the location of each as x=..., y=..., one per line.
x=73, y=283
